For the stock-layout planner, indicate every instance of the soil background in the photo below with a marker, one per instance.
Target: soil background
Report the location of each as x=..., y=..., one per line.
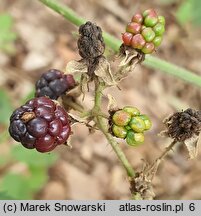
x=91, y=170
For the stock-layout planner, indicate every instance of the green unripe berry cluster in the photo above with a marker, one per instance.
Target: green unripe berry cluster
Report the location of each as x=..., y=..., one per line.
x=145, y=31
x=129, y=124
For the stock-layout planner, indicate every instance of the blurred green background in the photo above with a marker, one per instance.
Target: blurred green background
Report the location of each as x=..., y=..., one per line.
x=14, y=185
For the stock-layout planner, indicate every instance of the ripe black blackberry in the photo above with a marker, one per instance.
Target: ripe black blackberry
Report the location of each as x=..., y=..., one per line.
x=54, y=83
x=40, y=123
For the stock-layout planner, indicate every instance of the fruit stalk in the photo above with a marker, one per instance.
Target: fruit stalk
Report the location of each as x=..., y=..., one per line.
x=114, y=43
x=154, y=166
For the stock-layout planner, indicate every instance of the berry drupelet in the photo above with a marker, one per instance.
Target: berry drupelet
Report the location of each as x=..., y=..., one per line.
x=129, y=124
x=40, y=123
x=54, y=83
x=145, y=31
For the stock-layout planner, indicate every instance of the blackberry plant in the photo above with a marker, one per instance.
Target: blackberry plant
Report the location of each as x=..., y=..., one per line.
x=43, y=123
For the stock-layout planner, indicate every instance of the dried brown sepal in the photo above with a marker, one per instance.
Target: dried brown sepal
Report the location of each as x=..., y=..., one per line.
x=74, y=93
x=77, y=120
x=129, y=59
x=27, y=116
x=130, y=56
x=183, y=125
x=192, y=145
x=91, y=46
x=141, y=187
x=112, y=104
x=103, y=70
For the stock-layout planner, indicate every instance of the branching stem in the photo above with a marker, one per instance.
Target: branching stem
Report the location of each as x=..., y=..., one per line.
x=114, y=43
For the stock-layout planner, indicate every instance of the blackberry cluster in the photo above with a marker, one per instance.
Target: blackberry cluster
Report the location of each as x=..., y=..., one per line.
x=129, y=124
x=41, y=124
x=53, y=84
x=145, y=31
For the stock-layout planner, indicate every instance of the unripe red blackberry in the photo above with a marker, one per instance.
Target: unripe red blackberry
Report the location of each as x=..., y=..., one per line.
x=40, y=123
x=133, y=28
x=148, y=48
x=138, y=41
x=127, y=38
x=145, y=31
x=54, y=83
x=138, y=18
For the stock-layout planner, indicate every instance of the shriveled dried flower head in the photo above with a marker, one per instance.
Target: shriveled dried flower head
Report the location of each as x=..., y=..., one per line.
x=183, y=125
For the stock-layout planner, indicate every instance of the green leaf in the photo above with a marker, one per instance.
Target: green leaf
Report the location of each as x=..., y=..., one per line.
x=16, y=186
x=6, y=22
x=38, y=177
x=4, y=135
x=7, y=36
x=5, y=196
x=4, y=159
x=32, y=157
x=189, y=10
x=196, y=12
x=6, y=108
x=184, y=13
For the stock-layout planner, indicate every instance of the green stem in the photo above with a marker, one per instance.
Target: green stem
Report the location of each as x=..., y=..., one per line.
x=114, y=44
x=115, y=145
x=103, y=126
x=64, y=11
x=172, y=69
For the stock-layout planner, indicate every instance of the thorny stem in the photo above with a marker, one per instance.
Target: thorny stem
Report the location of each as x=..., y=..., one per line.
x=154, y=166
x=102, y=125
x=114, y=44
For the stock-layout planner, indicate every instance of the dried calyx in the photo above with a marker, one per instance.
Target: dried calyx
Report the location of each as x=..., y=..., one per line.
x=93, y=63
x=141, y=187
x=183, y=125
x=91, y=45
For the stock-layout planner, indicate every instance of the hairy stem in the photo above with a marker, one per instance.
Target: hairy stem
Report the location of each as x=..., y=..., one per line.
x=103, y=126
x=154, y=166
x=169, y=148
x=114, y=44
